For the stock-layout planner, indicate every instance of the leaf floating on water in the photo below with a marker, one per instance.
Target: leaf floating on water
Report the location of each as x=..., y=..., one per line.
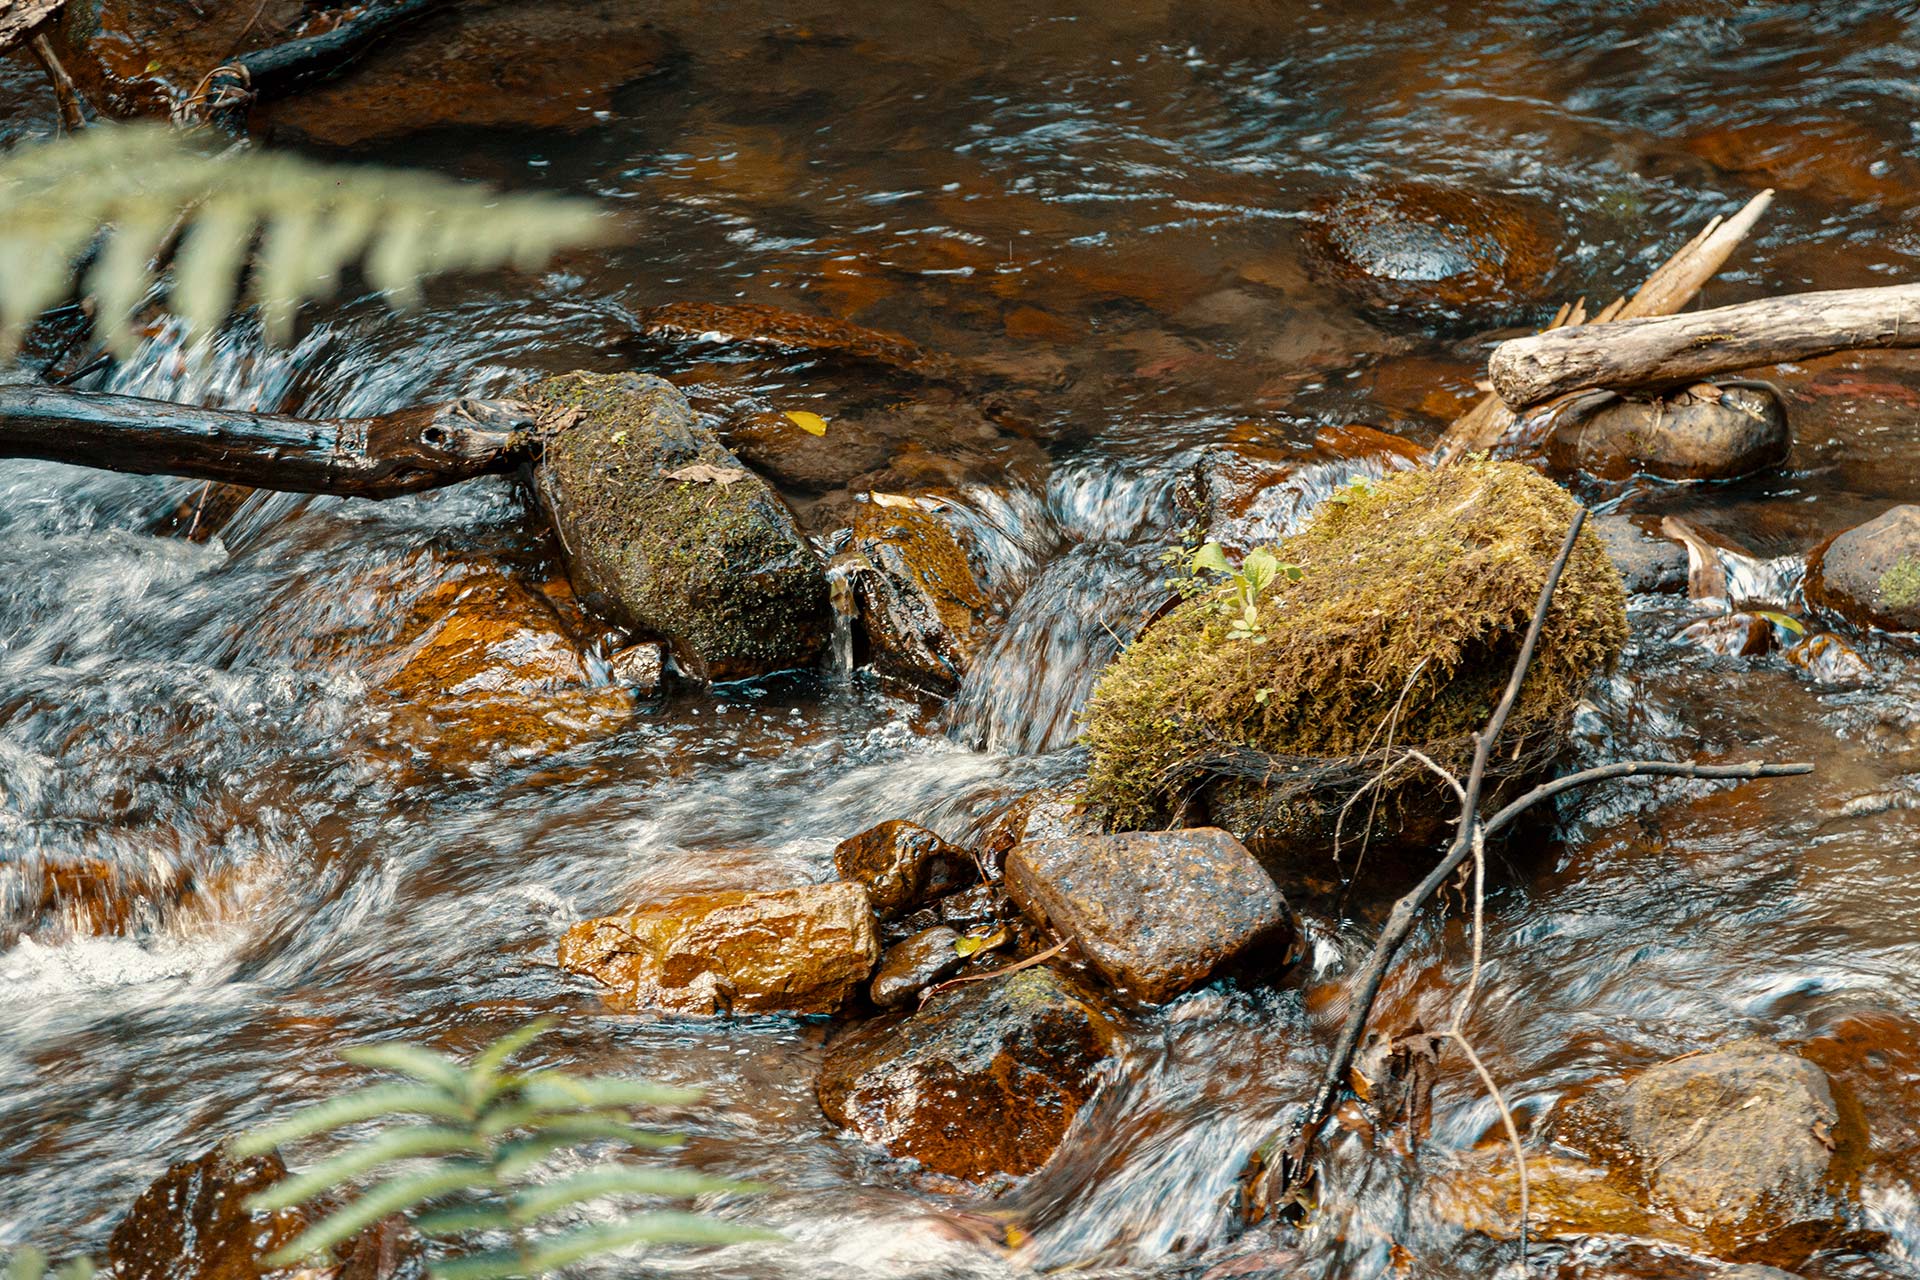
x=1786, y=620
x=811, y=423
x=707, y=473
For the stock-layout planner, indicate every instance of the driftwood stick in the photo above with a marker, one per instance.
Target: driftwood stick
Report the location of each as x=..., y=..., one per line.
x=382, y=457
x=73, y=118
x=1676, y=350
x=1676, y=283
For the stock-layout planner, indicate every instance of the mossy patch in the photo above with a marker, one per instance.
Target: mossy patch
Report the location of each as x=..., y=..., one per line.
x=1415, y=594
x=667, y=533
x=1900, y=585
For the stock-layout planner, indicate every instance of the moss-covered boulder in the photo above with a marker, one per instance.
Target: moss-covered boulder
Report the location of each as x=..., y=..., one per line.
x=665, y=532
x=1402, y=626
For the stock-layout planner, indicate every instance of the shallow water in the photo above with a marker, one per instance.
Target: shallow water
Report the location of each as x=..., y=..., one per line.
x=1134, y=177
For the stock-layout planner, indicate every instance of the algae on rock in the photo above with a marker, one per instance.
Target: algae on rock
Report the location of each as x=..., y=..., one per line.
x=666, y=532
x=1413, y=599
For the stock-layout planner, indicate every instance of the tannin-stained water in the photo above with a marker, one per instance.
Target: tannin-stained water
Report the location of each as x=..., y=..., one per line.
x=1101, y=208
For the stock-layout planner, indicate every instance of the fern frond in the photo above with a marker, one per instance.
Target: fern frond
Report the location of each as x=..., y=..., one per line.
x=391, y=1196
x=555, y=1251
x=137, y=183
x=351, y=1108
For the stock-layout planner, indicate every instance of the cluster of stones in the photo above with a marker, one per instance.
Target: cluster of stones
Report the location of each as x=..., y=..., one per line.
x=980, y=989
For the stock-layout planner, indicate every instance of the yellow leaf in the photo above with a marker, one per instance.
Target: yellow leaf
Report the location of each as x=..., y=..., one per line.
x=811, y=423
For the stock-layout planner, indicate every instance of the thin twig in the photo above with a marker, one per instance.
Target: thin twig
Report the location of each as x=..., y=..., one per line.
x=1513, y=1134
x=65, y=93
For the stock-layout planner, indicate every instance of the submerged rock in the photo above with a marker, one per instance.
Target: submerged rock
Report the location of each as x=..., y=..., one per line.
x=1870, y=574
x=193, y=1224
x=1411, y=247
x=1646, y=563
x=485, y=664
x=1412, y=599
x=982, y=1081
x=922, y=608
x=1729, y=432
x=800, y=950
x=1737, y=1142
x=1157, y=913
x=911, y=966
x=666, y=533
x=903, y=866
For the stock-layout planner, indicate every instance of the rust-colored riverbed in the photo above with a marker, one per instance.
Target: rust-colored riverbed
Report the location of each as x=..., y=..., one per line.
x=1102, y=207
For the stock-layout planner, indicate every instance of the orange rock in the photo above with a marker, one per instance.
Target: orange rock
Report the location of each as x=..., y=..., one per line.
x=800, y=950
x=1833, y=158
x=924, y=611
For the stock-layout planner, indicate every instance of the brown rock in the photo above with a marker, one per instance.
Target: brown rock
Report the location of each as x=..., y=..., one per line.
x=1738, y=432
x=139, y=57
x=496, y=63
x=485, y=664
x=1870, y=574
x=1565, y=1198
x=984, y=1080
x=192, y=1224
x=1741, y=635
x=1829, y=660
x=640, y=667
x=911, y=966
x=1038, y=815
x=903, y=866
x=1427, y=250
x=1736, y=1142
x=1157, y=912
x=923, y=610
x=800, y=950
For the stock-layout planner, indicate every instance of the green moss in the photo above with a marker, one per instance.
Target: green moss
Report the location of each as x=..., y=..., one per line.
x=1417, y=593
x=1900, y=585
x=719, y=570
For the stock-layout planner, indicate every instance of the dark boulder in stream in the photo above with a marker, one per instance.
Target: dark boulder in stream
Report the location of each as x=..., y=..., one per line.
x=800, y=950
x=903, y=866
x=1706, y=433
x=193, y=1224
x=912, y=965
x=1157, y=913
x=982, y=1081
x=1870, y=574
x=665, y=532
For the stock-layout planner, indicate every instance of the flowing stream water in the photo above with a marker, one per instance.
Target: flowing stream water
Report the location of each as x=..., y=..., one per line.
x=1104, y=202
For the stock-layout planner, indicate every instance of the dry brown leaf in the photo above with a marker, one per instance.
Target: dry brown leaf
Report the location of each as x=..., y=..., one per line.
x=707, y=473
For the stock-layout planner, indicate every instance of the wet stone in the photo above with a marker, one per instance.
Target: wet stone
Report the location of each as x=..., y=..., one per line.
x=667, y=534
x=802, y=950
x=1156, y=912
x=640, y=667
x=911, y=966
x=1737, y=1141
x=1646, y=563
x=1738, y=432
x=192, y=1224
x=922, y=608
x=1430, y=251
x=982, y=1081
x=903, y=865
x=1732, y=635
x=1829, y=660
x=1870, y=574
x=1041, y=814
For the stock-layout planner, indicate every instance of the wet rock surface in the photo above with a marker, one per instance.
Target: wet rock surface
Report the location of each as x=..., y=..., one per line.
x=903, y=866
x=1870, y=574
x=666, y=533
x=1430, y=251
x=1741, y=1140
x=801, y=950
x=911, y=966
x=1158, y=912
x=923, y=610
x=1645, y=562
x=1718, y=434
x=982, y=1081
x=192, y=1224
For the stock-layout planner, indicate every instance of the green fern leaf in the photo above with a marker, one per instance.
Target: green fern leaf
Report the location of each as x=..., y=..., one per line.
x=351, y=1108
x=127, y=186
x=385, y=1198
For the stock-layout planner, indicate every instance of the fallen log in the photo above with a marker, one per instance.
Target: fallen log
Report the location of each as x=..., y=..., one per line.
x=1669, y=351
x=1665, y=292
x=380, y=457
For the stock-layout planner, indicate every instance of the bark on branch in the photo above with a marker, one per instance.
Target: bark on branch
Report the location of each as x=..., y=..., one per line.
x=382, y=457
x=1676, y=350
